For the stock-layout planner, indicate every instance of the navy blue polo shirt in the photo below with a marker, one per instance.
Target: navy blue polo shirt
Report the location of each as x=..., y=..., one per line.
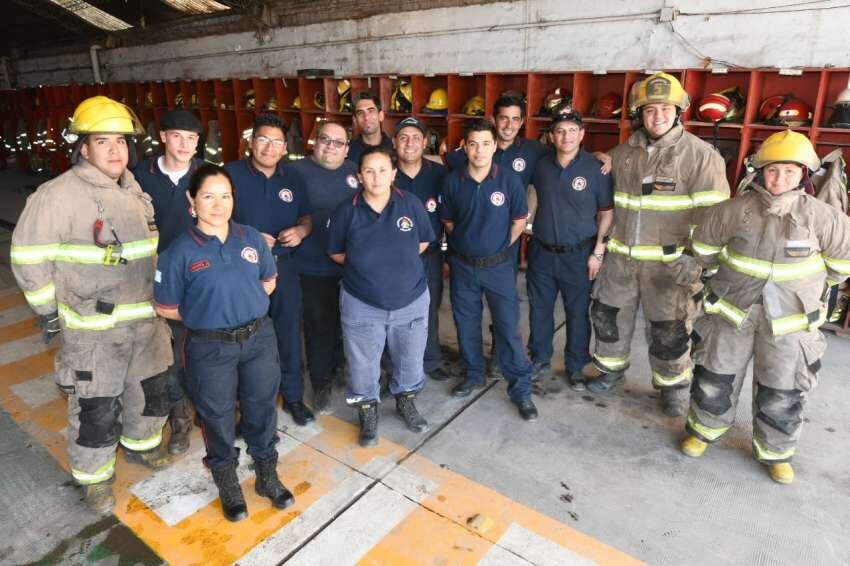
x=325, y=189
x=520, y=157
x=170, y=206
x=568, y=199
x=357, y=147
x=382, y=265
x=214, y=285
x=426, y=185
x=269, y=204
x=482, y=213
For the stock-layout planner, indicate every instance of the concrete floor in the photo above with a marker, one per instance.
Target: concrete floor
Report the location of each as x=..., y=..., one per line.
x=595, y=480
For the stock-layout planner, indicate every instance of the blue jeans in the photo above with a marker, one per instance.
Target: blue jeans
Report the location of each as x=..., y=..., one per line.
x=220, y=373
x=549, y=274
x=498, y=284
x=365, y=331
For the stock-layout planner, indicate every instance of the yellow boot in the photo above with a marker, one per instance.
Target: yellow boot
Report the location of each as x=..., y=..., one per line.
x=693, y=446
x=781, y=473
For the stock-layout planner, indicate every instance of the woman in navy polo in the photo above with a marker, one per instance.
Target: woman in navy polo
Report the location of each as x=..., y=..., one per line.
x=216, y=278
x=377, y=236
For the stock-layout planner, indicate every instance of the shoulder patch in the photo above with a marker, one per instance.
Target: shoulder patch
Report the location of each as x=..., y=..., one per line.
x=250, y=254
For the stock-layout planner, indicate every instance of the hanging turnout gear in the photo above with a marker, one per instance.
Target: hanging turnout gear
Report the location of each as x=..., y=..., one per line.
x=830, y=180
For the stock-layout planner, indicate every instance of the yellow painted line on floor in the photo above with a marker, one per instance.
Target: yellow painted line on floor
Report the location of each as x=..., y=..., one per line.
x=14, y=299
x=18, y=330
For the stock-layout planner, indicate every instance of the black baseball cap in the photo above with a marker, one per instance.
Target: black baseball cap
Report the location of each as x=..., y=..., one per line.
x=567, y=114
x=411, y=122
x=180, y=119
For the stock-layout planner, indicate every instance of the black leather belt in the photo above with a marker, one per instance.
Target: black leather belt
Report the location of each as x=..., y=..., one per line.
x=488, y=261
x=233, y=335
x=565, y=249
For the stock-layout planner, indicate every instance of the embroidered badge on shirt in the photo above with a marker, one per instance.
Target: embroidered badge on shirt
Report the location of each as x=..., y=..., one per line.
x=250, y=254
x=199, y=265
x=404, y=224
x=352, y=181
x=497, y=198
x=431, y=205
x=285, y=195
x=579, y=184
x=518, y=164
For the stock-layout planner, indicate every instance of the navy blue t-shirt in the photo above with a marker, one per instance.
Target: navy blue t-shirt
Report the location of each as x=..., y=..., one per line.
x=520, y=157
x=482, y=213
x=357, y=147
x=568, y=199
x=382, y=265
x=426, y=185
x=170, y=206
x=325, y=189
x=269, y=204
x=215, y=286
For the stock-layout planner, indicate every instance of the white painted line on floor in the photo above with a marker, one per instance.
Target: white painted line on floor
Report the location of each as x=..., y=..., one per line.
x=23, y=348
x=286, y=425
x=536, y=549
x=181, y=490
x=294, y=533
x=38, y=391
x=378, y=467
x=346, y=540
x=15, y=314
x=409, y=484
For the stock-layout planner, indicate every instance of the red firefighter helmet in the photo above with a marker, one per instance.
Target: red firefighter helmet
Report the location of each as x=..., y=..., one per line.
x=785, y=110
x=609, y=105
x=713, y=108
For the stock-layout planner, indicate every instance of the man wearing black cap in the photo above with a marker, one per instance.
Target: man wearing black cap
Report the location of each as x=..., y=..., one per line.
x=423, y=178
x=165, y=178
x=574, y=214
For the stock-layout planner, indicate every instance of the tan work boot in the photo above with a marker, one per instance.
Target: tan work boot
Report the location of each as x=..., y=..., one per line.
x=154, y=458
x=693, y=446
x=781, y=473
x=99, y=498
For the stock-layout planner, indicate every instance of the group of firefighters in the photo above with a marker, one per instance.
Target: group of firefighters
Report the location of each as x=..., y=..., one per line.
x=181, y=284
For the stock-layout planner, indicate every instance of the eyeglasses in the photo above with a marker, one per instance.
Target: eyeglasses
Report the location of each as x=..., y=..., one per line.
x=278, y=143
x=325, y=140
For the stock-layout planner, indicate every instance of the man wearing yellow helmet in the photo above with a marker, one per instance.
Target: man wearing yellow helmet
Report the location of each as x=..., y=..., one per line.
x=663, y=177
x=83, y=252
x=775, y=248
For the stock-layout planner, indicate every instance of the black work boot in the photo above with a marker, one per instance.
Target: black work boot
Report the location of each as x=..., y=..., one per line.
x=322, y=400
x=605, y=382
x=98, y=497
x=268, y=484
x=230, y=493
x=674, y=402
x=407, y=411
x=155, y=458
x=300, y=413
x=180, y=419
x=368, y=415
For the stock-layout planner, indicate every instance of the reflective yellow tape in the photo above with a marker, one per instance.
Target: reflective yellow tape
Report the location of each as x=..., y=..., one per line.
x=644, y=253
x=670, y=203
x=121, y=313
x=725, y=309
x=762, y=269
x=612, y=364
x=841, y=266
x=43, y=296
x=709, y=433
x=702, y=248
x=796, y=323
x=80, y=253
x=102, y=474
x=708, y=198
x=148, y=443
x=668, y=381
x=764, y=453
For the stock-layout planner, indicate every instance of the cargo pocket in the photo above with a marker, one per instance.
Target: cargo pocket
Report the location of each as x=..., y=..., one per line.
x=74, y=369
x=813, y=348
x=156, y=395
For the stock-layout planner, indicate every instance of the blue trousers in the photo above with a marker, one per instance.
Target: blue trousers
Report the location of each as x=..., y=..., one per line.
x=549, y=274
x=285, y=312
x=365, y=331
x=433, y=261
x=497, y=283
x=176, y=371
x=220, y=373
